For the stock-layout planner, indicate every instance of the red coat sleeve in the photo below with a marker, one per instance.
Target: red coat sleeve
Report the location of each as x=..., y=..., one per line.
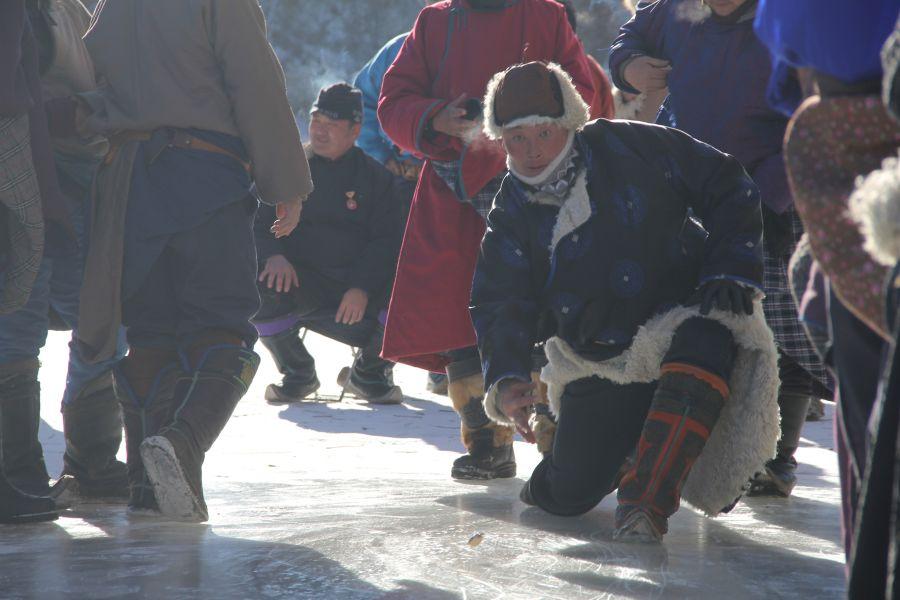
x=405, y=106
x=571, y=57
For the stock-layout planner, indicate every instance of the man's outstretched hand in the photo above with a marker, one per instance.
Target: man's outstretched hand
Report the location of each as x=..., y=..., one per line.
x=287, y=215
x=515, y=397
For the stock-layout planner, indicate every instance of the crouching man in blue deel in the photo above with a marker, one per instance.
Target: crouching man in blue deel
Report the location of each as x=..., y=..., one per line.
x=634, y=251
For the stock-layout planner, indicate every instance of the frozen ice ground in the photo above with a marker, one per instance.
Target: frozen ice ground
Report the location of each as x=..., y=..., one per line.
x=349, y=501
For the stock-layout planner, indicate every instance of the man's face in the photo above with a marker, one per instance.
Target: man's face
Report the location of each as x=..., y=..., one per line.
x=723, y=8
x=331, y=138
x=532, y=147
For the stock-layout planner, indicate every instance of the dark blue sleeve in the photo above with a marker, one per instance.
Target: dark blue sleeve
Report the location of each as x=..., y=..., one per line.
x=504, y=305
x=640, y=36
x=727, y=202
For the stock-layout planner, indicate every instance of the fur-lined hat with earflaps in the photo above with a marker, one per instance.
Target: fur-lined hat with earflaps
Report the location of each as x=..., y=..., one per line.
x=531, y=94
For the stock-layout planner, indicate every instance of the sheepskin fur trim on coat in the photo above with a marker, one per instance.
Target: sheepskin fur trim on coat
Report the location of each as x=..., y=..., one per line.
x=743, y=439
x=875, y=205
x=627, y=109
x=576, y=115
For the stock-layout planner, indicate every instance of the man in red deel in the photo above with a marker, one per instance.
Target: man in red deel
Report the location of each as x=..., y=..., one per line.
x=430, y=105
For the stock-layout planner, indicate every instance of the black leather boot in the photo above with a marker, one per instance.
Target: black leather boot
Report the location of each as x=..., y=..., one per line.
x=371, y=377
x=20, y=417
x=144, y=417
x=204, y=401
x=295, y=363
x=18, y=507
x=92, y=424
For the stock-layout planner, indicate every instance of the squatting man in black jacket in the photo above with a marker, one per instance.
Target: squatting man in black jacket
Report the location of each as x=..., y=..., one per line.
x=334, y=273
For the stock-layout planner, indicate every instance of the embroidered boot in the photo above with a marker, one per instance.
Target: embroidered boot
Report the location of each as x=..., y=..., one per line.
x=204, y=402
x=685, y=407
x=144, y=415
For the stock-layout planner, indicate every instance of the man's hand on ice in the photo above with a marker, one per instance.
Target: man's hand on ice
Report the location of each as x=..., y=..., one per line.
x=287, y=216
x=280, y=273
x=353, y=307
x=514, y=398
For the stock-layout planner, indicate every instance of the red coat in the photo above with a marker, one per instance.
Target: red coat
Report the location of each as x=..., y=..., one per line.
x=455, y=49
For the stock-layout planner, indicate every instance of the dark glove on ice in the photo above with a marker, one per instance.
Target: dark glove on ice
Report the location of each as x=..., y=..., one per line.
x=723, y=294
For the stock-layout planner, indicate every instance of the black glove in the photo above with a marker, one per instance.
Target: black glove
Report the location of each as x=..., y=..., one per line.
x=723, y=294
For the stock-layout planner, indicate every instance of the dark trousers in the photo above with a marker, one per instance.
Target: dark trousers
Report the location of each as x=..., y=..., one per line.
x=598, y=427
x=313, y=305
x=205, y=278
x=600, y=423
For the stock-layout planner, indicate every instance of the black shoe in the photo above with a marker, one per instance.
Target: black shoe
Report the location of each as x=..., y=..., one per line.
x=18, y=507
x=380, y=392
x=288, y=392
x=487, y=463
x=778, y=479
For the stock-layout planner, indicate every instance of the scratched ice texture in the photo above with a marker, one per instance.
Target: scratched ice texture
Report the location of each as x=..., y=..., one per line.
x=345, y=500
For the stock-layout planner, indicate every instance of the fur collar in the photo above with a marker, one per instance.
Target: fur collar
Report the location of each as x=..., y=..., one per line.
x=875, y=205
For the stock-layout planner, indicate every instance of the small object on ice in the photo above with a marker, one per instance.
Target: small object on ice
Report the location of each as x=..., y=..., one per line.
x=476, y=539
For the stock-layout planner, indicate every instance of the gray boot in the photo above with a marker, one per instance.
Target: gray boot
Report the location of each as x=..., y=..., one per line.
x=204, y=402
x=20, y=417
x=92, y=424
x=779, y=476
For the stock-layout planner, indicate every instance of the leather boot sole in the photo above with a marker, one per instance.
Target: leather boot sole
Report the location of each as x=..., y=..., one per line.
x=476, y=473
x=170, y=486
x=392, y=396
x=275, y=395
x=36, y=517
x=638, y=527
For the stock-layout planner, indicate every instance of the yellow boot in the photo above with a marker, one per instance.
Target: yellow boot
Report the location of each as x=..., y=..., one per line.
x=489, y=445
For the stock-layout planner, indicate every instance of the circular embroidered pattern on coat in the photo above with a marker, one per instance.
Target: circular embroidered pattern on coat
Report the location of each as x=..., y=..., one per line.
x=626, y=278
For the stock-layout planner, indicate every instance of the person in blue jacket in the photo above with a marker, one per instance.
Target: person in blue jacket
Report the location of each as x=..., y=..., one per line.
x=602, y=240
x=717, y=72
x=376, y=143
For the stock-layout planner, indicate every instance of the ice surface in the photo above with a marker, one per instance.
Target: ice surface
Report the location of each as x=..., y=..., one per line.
x=352, y=501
